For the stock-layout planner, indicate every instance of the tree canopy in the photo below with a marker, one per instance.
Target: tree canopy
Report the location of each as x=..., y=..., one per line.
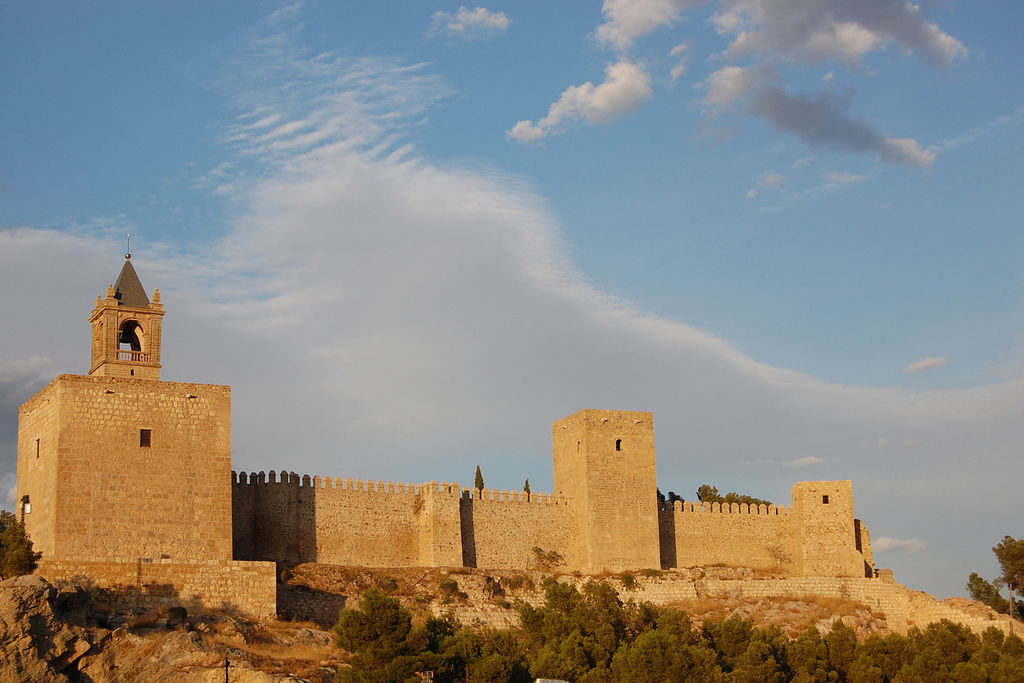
x=588, y=635
x=709, y=494
x=16, y=554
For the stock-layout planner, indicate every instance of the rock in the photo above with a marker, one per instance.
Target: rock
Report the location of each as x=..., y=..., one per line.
x=36, y=645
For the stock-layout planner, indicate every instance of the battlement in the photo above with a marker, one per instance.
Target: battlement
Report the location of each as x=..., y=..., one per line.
x=698, y=507
x=335, y=484
x=305, y=481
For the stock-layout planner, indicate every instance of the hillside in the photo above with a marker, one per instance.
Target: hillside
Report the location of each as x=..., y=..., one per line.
x=69, y=634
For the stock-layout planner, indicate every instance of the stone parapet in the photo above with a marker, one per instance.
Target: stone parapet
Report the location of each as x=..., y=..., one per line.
x=246, y=587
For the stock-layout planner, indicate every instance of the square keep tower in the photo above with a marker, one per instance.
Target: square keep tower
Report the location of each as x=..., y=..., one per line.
x=604, y=460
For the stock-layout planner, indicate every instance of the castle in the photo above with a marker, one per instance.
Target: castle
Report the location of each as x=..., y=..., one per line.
x=125, y=479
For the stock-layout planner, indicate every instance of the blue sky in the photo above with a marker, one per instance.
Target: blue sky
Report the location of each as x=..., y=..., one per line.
x=412, y=240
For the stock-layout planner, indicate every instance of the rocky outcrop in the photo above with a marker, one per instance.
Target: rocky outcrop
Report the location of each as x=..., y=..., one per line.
x=39, y=638
x=52, y=635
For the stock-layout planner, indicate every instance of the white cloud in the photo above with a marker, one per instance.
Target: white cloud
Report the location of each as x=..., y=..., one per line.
x=683, y=58
x=884, y=544
x=769, y=180
x=843, y=30
x=926, y=364
x=765, y=32
x=625, y=87
x=731, y=83
x=804, y=462
x=802, y=163
x=468, y=24
x=627, y=20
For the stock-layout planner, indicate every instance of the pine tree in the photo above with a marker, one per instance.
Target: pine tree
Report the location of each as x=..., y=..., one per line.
x=16, y=555
x=478, y=482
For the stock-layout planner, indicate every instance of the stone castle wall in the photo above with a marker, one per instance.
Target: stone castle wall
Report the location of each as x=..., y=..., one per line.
x=706, y=534
x=98, y=491
x=289, y=518
x=501, y=528
x=248, y=587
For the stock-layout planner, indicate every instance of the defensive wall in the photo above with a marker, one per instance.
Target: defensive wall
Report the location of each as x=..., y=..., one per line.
x=288, y=518
x=246, y=587
x=815, y=536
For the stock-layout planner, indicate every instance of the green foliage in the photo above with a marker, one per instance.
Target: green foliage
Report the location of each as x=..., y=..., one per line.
x=378, y=629
x=589, y=635
x=526, y=487
x=1010, y=553
x=981, y=590
x=478, y=480
x=16, y=554
x=629, y=581
x=450, y=591
x=546, y=560
x=709, y=494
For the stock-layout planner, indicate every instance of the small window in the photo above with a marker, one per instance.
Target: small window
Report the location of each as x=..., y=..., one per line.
x=618, y=444
x=145, y=438
x=132, y=373
x=37, y=448
x=824, y=500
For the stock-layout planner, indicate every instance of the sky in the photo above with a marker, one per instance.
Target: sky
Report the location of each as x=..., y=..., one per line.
x=411, y=240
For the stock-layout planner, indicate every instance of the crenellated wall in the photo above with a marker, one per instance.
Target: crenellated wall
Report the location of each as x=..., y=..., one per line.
x=500, y=529
x=703, y=534
x=816, y=536
x=288, y=518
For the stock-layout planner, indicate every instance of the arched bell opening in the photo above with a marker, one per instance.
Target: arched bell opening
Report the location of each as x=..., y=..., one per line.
x=131, y=336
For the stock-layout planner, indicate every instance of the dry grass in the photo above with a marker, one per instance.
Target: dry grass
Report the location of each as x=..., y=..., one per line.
x=793, y=614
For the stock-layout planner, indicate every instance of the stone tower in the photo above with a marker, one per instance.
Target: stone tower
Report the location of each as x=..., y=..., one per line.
x=118, y=464
x=826, y=532
x=604, y=459
x=126, y=329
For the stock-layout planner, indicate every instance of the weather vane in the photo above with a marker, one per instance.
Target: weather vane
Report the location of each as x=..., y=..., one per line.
x=128, y=251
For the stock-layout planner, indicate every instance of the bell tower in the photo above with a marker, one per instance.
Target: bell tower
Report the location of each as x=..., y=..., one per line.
x=126, y=329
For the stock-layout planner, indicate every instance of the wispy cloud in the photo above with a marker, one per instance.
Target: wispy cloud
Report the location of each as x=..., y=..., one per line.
x=910, y=546
x=804, y=462
x=926, y=364
x=844, y=177
x=468, y=24
x=768, y=180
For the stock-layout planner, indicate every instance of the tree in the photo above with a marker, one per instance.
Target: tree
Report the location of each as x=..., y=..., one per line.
x=1010, y=553
x=526, y=487
x=983, y=591
x=709, y=494
x=16, y=555
x=478, y=481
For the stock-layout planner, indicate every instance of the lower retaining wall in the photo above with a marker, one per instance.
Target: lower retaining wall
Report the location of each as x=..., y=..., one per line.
x=246, y=587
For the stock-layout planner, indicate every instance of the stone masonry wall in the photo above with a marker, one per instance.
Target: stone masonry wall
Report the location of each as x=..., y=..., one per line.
x=334, y=521
x=37, y=466
x=248, y=587
x=706, y=534
x=604, y=460
x=500, y=529
x=103, y=493
x=288, y=518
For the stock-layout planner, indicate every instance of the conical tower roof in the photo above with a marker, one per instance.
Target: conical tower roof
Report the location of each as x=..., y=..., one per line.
x=128, y=290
